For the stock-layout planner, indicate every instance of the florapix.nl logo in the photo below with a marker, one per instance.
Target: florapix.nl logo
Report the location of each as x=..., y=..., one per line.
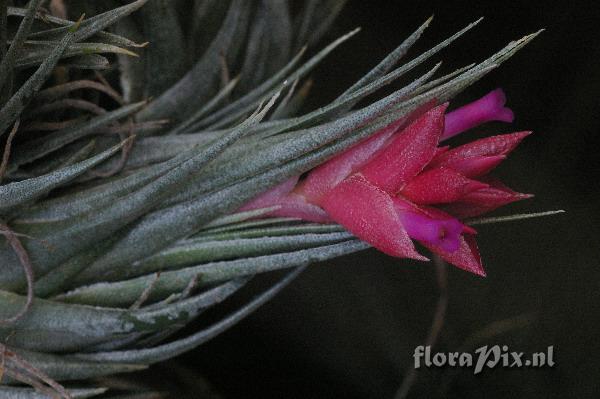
x=483, y=357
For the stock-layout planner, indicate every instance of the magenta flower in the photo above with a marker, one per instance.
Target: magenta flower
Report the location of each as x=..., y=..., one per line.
x=488, y=108
x=399, y=186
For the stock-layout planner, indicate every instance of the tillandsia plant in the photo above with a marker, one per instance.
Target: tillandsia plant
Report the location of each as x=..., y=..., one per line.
x=155, y=161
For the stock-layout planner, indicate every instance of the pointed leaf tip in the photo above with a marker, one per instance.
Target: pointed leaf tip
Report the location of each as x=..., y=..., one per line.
x=75, y=27
x=466, y=257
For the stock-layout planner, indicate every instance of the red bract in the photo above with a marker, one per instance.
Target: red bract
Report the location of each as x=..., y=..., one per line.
x=399, y=185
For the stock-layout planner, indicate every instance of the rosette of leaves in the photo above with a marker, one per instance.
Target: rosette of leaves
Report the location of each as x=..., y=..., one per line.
x=117, y=206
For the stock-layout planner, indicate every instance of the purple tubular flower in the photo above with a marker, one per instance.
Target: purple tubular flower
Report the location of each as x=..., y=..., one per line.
x=443, y=233
x=488, y=108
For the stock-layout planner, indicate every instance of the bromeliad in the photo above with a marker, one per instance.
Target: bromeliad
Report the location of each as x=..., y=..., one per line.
x=144, y=242
x=399, y=185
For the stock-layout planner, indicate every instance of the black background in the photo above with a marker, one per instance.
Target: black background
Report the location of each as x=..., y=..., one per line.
x=348, y=328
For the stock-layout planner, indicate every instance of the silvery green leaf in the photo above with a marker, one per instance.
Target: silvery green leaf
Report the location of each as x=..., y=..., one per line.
x=16, y=194
x=15, y=105
x=54, y=326
x=127, y=291
x=62, y=367
x=93, y=62
x=185, y=310
x=442, y=79
x=172, y=349
x=37, y=148
x=72, y=153
x=93, y=25
x=138, y=395
x=132, y=76
x=374, y=80
x=252, y=230
x=35, y=52
x=510, y=218
x=30, y=393
x=271, y=221
x=199, y=84
x=255, y=59
x=85, y=201
x=371, y=80
x=162, y=29
x=206, y=19
x=281, y=38
x=293, y=103
x=314, y=20
x=269, y=44
x=3, y=33
x=238, y=217
x=188, y=125
x=103, y=36
x=346, y=102
x=390, y=60
x=71, y=236
x=8, y=60
x=237, y=109
x=156, y=149
x=191, y=252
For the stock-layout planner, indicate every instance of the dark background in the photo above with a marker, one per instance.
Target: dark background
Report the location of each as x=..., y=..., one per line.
x=348, y=328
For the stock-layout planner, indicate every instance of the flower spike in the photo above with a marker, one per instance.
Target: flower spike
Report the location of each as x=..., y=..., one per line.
x=383, y=189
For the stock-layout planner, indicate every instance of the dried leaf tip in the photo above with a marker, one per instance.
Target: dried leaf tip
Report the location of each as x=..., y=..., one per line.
x=77, y=24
